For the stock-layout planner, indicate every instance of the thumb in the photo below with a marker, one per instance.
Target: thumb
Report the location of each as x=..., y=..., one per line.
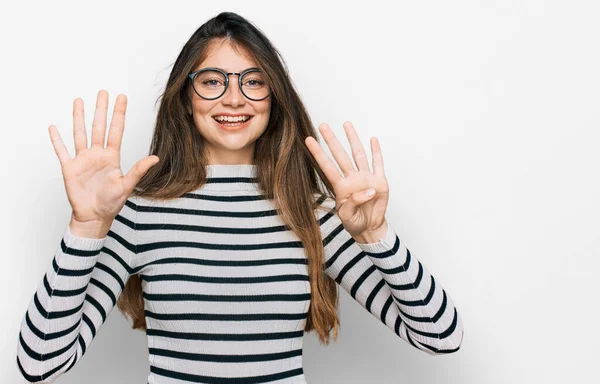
x=139, y=169
x=356, y=200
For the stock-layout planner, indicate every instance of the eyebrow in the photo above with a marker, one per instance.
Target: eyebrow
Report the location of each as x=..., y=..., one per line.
x=224, y=70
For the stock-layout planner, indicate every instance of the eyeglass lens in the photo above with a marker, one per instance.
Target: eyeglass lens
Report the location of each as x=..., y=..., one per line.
x=211, y=84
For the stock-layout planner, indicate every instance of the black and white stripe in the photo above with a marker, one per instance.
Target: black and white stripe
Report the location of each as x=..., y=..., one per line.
x=388, y=281
x=225, y=287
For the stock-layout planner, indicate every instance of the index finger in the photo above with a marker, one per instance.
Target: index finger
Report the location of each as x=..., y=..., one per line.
x=117, y=123
x=325, y=163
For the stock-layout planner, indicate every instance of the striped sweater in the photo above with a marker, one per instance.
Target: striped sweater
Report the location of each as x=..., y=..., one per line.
x=225, y=287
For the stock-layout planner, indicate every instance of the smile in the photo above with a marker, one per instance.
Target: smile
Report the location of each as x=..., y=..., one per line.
x=232, y=119
x=232, y=123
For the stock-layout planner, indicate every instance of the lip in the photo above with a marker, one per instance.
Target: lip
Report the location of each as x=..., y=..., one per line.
x=235, y=128
x=232, y=114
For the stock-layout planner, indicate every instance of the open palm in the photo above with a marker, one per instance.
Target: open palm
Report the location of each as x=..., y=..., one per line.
x=96, y=188
x=360, y=213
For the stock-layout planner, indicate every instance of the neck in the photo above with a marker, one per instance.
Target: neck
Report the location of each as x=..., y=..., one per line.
x=231, y=177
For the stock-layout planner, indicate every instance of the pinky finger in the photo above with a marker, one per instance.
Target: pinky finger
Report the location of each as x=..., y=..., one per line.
x=377, y=157
x=59, y=146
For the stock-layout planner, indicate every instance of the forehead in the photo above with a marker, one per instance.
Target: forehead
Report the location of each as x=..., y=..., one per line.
x=226, y=55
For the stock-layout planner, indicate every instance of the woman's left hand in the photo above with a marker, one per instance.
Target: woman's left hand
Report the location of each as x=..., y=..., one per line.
x=363, y=216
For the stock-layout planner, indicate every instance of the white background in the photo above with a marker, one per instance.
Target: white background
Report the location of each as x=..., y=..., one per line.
x=487, y=113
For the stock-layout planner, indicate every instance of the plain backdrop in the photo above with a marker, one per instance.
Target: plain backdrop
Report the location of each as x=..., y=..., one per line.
x=487, y=113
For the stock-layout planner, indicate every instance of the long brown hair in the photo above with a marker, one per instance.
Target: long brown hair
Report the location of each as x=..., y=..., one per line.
x=280, y=151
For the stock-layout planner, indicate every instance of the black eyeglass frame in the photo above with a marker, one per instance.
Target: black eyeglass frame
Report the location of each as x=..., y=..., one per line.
x=192, y=75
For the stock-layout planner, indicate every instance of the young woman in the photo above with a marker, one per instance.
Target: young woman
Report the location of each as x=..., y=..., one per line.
x=228, y=242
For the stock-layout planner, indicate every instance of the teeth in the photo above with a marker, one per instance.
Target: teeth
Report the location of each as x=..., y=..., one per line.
x=232, y=119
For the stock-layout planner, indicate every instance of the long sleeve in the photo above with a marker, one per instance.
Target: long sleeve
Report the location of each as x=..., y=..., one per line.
x=78, y=291
x=389, y=282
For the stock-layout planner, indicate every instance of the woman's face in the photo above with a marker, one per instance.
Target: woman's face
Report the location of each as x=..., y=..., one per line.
x=233, y=144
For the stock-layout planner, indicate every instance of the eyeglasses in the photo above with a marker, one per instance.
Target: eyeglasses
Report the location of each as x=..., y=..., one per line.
x=212, y=83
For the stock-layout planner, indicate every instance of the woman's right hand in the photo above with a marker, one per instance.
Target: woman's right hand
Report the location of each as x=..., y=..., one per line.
x=95, y=186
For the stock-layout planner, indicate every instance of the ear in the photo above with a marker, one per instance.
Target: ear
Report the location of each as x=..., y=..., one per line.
x=189, y=110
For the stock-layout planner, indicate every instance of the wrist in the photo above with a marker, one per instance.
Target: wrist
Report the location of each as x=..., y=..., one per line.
x=89, y=229
x=372, y=236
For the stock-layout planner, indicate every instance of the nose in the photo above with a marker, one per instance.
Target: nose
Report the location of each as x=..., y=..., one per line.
x=233, y=95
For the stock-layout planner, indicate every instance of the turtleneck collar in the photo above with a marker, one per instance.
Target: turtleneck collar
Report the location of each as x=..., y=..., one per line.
x=231, y=177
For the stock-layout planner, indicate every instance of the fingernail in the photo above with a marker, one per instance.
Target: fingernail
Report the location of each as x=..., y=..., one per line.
x=370, y=192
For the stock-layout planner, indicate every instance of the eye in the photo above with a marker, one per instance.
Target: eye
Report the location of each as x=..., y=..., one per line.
x=212, y=82
x=254, y=83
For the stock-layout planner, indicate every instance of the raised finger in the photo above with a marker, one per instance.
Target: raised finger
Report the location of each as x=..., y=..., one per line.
x=117, y=123
x=79, y=133
x=59, y=146
x=139, y=169
x=358, y=151
x=325, y=163
x=377, y=157
x=99, y=124
x=338, y=152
